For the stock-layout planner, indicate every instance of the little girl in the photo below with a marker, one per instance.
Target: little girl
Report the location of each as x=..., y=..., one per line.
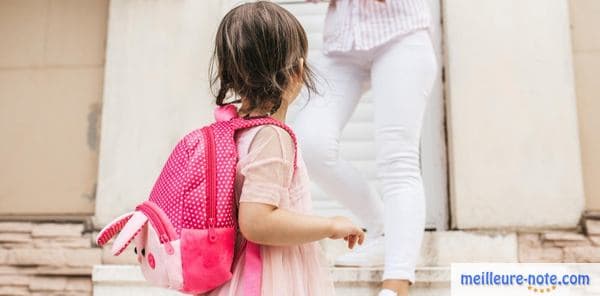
x=260, y=52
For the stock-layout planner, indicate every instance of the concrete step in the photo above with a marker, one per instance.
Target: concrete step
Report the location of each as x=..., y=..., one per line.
x=366, y=281
x=127, y=280
x=440, y=249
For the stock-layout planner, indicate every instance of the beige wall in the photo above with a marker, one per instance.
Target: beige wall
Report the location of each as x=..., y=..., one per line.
x=585, y=20
x=512, y=120
x=51, y=72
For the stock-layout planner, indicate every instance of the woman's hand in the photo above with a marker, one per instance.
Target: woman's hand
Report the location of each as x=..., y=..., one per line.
x=342, y=227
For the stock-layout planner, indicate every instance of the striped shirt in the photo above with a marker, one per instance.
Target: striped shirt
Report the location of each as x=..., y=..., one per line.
x=365, y=24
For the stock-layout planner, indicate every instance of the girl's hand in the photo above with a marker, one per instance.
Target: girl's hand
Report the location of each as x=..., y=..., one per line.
x=342, y=227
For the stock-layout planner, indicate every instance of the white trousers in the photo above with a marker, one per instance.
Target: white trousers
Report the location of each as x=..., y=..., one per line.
x=401, y=75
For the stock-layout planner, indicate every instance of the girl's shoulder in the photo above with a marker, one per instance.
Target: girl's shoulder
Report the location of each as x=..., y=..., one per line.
x=266, y=141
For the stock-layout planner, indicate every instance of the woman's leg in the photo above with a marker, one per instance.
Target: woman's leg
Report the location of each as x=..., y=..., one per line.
x=402, y=77
x=319, y=124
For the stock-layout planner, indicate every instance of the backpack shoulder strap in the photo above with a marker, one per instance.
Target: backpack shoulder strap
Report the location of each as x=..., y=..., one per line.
x=240, y=123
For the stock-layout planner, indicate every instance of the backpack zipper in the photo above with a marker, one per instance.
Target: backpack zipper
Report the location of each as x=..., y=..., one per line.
x=211, y=179
x=163, y=234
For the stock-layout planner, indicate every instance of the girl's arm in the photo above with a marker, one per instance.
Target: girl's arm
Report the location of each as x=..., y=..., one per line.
x=268, y=171
x=268, y=225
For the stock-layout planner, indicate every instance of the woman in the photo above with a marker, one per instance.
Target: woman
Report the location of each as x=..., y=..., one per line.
x=387, y=44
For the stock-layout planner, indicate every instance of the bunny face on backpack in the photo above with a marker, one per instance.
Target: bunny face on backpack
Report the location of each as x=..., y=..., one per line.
x=191, y=261
x=184, y=234
x=159, y=263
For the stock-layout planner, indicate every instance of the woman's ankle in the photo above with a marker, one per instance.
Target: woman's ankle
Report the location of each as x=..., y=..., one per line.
x=398, y=286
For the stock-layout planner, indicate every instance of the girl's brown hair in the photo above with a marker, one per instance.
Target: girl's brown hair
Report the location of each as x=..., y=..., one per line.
x=258, y=50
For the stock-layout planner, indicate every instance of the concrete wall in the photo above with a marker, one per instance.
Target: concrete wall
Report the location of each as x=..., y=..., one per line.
x=155, y=91
x=585, y=20
x=513, y=138
x=51, y=68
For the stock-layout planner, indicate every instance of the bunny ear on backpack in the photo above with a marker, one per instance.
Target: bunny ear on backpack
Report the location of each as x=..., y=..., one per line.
x=128, y=225
x=112, y=229
x=128, y=232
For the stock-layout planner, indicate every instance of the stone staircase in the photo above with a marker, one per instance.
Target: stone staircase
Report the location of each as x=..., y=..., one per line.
x=127, y=280
x=58, y=259
x=432, y=276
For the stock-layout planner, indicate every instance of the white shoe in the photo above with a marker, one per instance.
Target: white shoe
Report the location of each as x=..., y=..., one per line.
x=370, y=254
x=387, y=292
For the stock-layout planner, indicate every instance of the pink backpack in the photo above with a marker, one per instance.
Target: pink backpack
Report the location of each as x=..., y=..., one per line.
x=189, y=243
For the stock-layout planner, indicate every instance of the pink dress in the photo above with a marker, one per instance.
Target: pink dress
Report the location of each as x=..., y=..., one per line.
x=265, y=175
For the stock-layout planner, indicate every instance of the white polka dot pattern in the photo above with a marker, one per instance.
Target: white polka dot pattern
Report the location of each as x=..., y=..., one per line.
x=180, y=190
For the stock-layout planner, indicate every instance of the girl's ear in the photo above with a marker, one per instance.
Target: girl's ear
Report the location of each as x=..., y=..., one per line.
x=129, y=231
x=300, y=72
x=112, y=229
x=301, y=67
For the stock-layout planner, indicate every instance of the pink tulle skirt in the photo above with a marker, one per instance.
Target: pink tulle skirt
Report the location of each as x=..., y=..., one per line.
x=291, y=271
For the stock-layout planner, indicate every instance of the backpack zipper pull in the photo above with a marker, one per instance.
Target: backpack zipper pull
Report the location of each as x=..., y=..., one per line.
x=212, y=236
x=167, y=244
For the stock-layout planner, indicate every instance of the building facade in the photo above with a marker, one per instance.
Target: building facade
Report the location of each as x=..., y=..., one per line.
x=94, y=94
